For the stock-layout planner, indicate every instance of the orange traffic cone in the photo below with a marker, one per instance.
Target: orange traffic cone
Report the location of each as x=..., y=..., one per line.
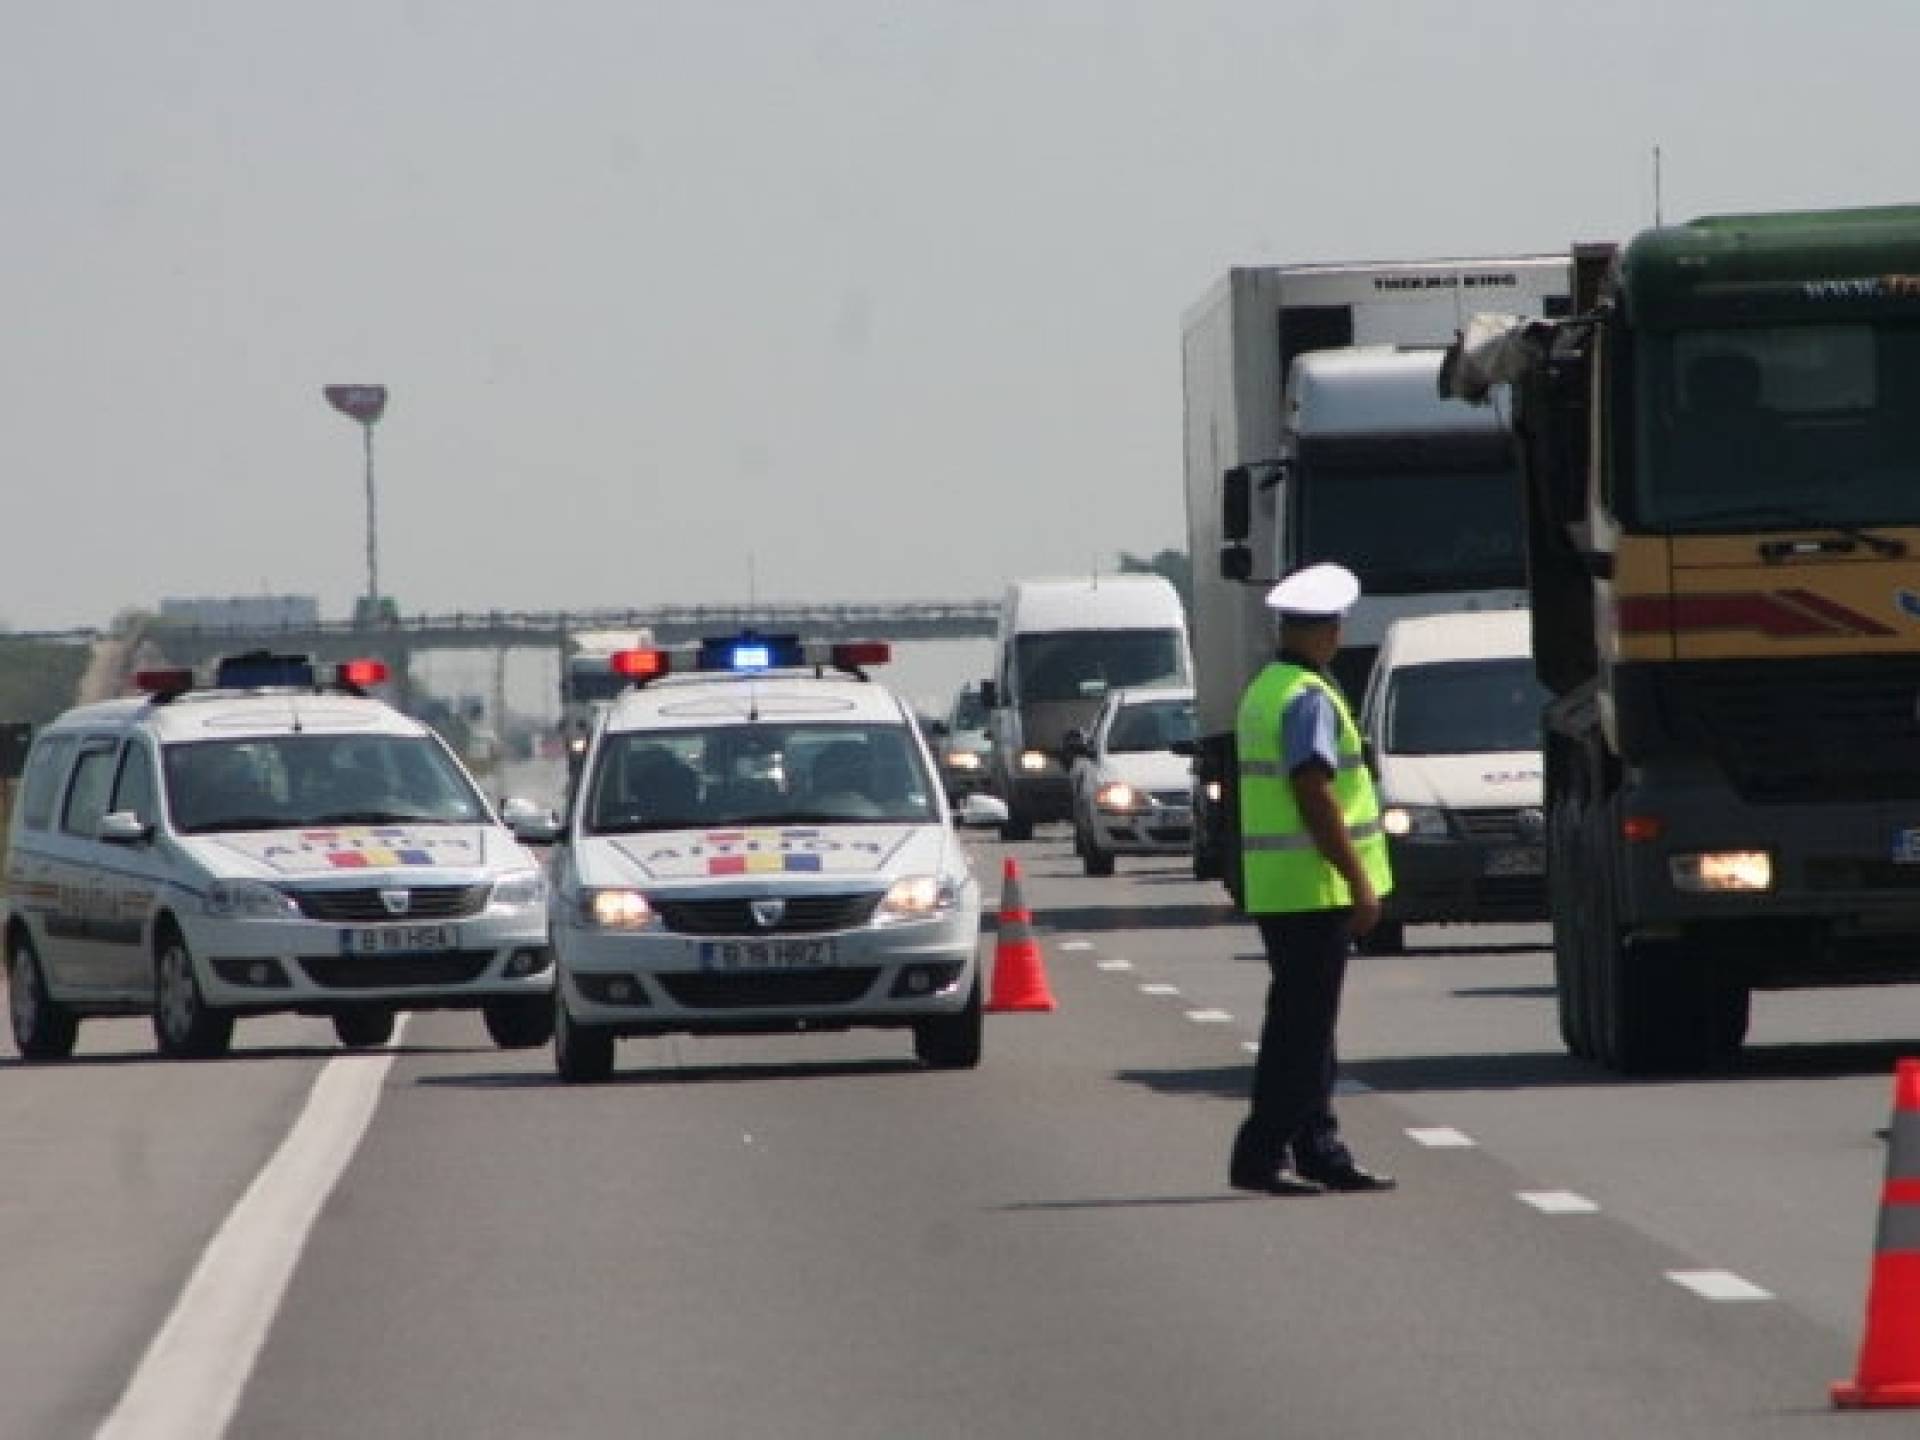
x=1019, y=976
x=1889, y=1371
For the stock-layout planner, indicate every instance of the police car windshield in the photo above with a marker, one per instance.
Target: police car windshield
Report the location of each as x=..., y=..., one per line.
x=762, y=774
x=290, y=781
x=1159, y=725
x=1464, y=707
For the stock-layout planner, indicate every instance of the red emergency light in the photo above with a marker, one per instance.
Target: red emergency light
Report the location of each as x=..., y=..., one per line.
x=853, y=654
x=639, y=664
x=163, y=682
x=361, y=673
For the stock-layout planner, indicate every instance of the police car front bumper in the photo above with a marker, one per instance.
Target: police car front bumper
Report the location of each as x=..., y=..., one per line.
x=1162, y=830
x=654, y=981
x=314, y=967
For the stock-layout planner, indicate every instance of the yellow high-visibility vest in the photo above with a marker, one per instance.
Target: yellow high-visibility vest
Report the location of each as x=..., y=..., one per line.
x=1281, y=867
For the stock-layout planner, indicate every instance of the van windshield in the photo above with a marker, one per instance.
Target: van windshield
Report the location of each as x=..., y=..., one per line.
x=1078, y=664
x=1464, y=707
x=294, y=781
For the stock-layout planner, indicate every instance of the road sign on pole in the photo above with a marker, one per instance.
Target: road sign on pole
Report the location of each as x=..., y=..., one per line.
x=365, y=403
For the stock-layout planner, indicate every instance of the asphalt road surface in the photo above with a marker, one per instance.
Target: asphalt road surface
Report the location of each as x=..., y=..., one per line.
x=810, y=1236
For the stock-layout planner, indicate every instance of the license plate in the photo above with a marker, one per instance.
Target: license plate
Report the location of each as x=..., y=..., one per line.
x=1530, y=860
x=765, y=954
x=398, y=940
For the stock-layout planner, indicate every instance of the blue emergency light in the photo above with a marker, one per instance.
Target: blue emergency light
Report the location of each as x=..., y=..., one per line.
x=259, y=669
x=747, y=653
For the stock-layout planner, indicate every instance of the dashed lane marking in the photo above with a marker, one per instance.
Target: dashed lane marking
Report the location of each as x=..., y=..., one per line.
x=1442, y=1137
x=1159, y=989
x=1718, y=1285
x=1114, y=965
x=1559, y=1202
x=1076, y=945
x=189, y=1382
x=1210, y=1017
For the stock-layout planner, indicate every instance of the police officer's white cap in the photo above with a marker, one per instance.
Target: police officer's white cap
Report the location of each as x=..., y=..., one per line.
x=1319, y=592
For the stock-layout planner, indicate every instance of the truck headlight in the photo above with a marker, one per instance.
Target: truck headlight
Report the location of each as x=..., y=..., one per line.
x=516, y=892
x=249, y=900
x=917, y=897
x=1414, y=822
x=1117, y=796
x=1718, y=871
x=615, y=909
x=1033, y=761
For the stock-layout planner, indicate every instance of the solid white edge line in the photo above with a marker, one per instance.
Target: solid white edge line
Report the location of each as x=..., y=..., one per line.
x=1718, y=1285
x=1442, y=1137
x=1558, y=1202
x=188, y=1384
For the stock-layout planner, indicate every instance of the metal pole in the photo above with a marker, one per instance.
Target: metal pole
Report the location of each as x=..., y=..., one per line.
x=373, y=547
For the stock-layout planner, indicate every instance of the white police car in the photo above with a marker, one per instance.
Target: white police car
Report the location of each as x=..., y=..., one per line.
x=269, y=843
x=761, y=844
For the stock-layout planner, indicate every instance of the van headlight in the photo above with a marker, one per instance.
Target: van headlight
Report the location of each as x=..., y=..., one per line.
x=917, y=897
x=1414, y=822
x=517, y=892
x=249, y=900
x=615, y=908
x=1033, y=761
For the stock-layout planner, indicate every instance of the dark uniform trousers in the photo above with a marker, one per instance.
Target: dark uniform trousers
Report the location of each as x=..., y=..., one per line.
x=1294, y=1074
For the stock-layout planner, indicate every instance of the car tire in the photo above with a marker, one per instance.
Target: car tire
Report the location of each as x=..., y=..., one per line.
x=1017, y=826
x=184, y=1025
x=43, y=1029
x=519, y=1022
x=952, y=1042
x=582, y=1054
x=364, y=1029
x=1093, y=859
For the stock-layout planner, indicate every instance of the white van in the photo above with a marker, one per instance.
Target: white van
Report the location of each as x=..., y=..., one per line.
x=1452, y=719
x=1062, y=645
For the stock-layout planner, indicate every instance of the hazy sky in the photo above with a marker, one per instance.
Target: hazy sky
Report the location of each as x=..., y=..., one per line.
x=839, y=300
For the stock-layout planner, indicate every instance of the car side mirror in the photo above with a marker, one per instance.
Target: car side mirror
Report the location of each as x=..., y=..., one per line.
x=1074, y=745
x=980, y=812
x=989, y=694
x=1188, y=748
x=124, y=827
x=1236, y=564
x=530, y=823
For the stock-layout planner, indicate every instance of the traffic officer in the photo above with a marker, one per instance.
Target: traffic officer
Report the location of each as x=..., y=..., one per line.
x=1314, y=869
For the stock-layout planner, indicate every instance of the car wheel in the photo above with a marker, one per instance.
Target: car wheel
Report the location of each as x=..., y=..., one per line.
x=42, y=1029
x=1017, y=826
x=952, y=1042
x=364, y=1029
x=582, y=1054
x=186, y=1027
x=520, y=1022
x=1093, y=859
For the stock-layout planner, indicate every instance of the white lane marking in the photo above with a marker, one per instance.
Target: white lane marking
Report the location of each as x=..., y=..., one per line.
x=1442, y=1137
x=189, y=1382
x=1559, y=1202
x=1252, y=1047
x=1209, y=1017
x=1076, y=945
x=1159, y=989
x=1718, y=1285
x=1114, y=965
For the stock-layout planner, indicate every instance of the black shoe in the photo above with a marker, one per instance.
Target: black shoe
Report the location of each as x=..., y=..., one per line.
x=1349, y=1178
x=1279, y=1181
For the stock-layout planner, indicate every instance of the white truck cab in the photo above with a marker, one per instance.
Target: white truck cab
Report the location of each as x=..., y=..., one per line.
x=272, y=842
x=1452, y=721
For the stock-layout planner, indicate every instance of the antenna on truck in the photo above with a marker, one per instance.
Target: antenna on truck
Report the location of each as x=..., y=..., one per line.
x=1656, y=186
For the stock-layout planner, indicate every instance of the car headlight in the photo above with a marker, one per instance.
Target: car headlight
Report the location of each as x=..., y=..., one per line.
x=962, y=760
x=1214, y=790
x=615, y=909
x=250, y=900
x=1033, y=761
x=1721, y=871
x=1414, y=822
x=518, y=891
x=917, y=897
x=1118, y=796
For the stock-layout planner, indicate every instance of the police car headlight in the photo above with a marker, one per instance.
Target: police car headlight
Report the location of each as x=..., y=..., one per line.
x=1118, y=796
x=615, y=909
x=1033, y=761
x=516, y=892
x=962, y=760
x=917, y=897
x=249, y=900
x=1414, y=822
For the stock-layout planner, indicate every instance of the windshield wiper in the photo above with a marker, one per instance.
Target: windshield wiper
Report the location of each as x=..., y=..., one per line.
x=377, y=817
x=1774, y=551
x=241, y=822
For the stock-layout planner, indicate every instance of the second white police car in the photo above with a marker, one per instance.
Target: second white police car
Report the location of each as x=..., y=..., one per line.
x=758, y=842
x=277, y=841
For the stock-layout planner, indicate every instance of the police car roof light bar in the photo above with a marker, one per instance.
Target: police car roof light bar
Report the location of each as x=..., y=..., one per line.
x=640, y=665
x=163, y=685
x=749, y=653
x=358, y=674
x=260, y=669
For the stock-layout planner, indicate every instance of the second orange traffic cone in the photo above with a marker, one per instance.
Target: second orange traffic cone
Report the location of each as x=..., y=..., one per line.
x=1889, y=1372
x=1019, y=974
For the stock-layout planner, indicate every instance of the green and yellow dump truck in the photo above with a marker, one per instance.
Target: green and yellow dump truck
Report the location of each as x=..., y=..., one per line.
x=1721, y=458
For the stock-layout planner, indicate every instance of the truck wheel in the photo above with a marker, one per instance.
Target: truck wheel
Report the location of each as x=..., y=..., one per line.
x=1572, y=977
x=184, y=1025
x=42, y=1028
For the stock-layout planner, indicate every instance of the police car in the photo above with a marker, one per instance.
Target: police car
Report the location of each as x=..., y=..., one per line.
x=276, y=841
x=758, y=842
